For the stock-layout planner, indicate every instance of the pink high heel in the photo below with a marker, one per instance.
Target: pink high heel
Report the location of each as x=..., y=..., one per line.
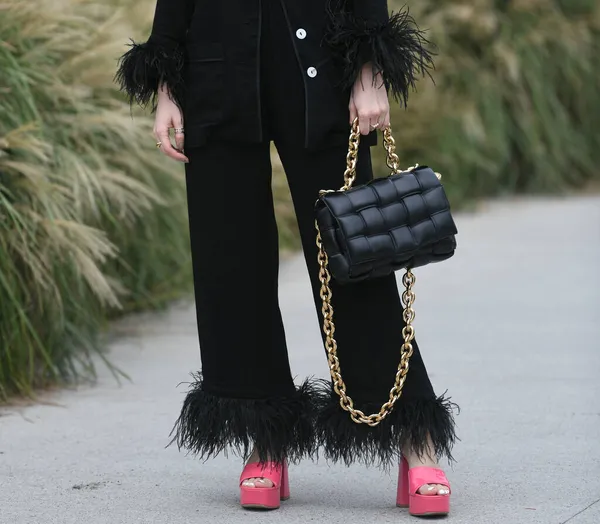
x=409, y=482
x=265, y=498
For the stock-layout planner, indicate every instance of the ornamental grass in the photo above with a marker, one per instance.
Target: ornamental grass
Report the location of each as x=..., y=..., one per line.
x=93, y=220
x=91, y=217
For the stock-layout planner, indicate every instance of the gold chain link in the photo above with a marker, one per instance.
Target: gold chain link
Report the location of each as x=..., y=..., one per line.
x=408, y=299
x=389, y=143
x=406, y=351
x=351, y=158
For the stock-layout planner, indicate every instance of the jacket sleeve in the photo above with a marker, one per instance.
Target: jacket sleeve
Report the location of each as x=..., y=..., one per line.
x=146, y=66
x=362, y=31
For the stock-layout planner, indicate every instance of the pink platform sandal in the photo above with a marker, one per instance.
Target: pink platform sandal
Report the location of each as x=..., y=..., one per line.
x=265, y=498
x=409, y=482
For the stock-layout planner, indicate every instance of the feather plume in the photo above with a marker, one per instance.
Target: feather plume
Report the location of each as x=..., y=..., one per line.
x=396, y=48
x=279, y=427
x=408, y=424
x=144, y=67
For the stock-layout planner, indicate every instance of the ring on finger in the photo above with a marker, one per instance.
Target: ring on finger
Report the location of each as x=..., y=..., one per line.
x=158, y=145
x=375, y=125
x=179, y=130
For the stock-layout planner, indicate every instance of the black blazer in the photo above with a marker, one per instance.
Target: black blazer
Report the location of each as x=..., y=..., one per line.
x=206, y=51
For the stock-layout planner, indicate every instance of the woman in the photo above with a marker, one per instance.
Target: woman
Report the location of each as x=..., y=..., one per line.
x=239, y=74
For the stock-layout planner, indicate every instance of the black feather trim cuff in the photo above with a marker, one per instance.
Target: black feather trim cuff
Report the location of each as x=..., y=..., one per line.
x=278, y=427
x=145, y=66
x=408, y=424
x=395, y=47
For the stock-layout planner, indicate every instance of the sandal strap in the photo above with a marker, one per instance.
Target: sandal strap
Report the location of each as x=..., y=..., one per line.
x=269, y=470
x=421, y=475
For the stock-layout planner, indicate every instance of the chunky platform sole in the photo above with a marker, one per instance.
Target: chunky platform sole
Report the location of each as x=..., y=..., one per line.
x=265, y=498
x=409, y=482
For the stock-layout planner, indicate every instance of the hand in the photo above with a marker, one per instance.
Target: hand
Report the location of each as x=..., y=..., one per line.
x=369, y=102
x=169, y=116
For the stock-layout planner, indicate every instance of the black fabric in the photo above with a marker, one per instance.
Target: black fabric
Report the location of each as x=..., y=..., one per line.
x=223, y=92
x=390, y=223
x=235, y=257
x=218, y=86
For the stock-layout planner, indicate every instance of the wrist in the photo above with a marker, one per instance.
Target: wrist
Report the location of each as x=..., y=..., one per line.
x=163, y=90
x=370, y=69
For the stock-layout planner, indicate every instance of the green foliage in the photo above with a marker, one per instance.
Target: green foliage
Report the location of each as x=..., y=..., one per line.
x=516, y=92
x=92, y=221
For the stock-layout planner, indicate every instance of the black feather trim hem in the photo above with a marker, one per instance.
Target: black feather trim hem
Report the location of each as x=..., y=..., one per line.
x=408, y=425
x=142, y=69
x=277, y=427
x=395, y=47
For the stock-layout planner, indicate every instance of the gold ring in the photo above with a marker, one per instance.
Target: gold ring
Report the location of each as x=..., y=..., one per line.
x=158, y=145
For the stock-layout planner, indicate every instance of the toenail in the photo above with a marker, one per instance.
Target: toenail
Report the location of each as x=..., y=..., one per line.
x=430, y=488
x=443, y=492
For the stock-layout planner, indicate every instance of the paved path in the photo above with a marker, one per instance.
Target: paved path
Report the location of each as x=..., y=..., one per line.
x=511, y=326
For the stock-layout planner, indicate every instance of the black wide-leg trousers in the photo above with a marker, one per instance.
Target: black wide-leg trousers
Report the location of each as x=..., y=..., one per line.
x=245, y=395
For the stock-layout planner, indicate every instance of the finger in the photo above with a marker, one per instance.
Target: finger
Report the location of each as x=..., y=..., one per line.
x=364, y=122
x=353, y=110
x=179, y=134
x=179, y=140
x=382, y=116
x=372, y=123
x=375, y=123
x=386, y=119
x=167, y=148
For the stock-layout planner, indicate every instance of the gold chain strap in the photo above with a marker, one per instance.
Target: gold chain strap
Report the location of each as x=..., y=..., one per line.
x=408, y=299
x=389, y=143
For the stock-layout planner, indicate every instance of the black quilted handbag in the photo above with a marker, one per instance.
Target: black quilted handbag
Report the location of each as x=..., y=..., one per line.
x=401, y=221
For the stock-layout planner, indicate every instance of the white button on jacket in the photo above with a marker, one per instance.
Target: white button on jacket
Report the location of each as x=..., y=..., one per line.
x=301, y=34
x=312, y=72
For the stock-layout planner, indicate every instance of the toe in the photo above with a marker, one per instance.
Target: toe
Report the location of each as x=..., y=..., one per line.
x=428, y=489
x=257, y=483
x=442, y=490
x=434, y=489
x=263, y=483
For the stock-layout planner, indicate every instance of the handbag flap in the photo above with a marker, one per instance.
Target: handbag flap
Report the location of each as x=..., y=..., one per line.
x=391, y=217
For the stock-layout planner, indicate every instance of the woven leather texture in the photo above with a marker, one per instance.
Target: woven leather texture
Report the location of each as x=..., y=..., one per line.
x=390, y=223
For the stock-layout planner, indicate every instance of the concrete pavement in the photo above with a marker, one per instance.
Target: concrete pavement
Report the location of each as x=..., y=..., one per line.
x=510, y=326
